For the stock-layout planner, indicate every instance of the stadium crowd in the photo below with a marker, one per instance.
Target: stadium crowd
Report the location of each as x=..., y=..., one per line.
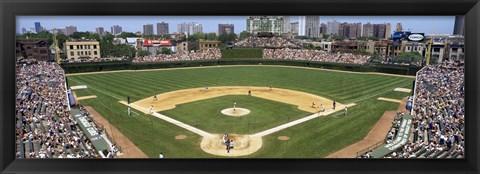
x=268, y=42
x=314, y=55
x=45, y=127
x=438, y=114
x=211, y=53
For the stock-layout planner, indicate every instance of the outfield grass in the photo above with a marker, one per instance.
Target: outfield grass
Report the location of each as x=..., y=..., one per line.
x=315, y=138
x=206, y=114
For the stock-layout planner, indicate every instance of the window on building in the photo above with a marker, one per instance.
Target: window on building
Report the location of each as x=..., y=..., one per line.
x=78, y=47
x=94, y=52
x=72, y=53
x=71, y=47
x=94, y=46
x=408, y=48
x=78, y=53
x=88, y=46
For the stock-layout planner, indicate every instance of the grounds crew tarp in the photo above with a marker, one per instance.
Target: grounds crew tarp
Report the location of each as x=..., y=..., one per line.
x=90, y=131
x=400, y=140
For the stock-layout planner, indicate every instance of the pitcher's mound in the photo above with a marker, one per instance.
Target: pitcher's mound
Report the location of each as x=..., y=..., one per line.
x=238, y=112
x=180, y=137
x=244, y=145
x=283, y=138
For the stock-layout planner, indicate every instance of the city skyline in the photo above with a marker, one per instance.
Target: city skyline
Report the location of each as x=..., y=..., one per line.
x=421, y=24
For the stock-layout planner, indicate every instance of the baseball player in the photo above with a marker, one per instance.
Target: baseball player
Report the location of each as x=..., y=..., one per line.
x=334, y=103
x=206, y=88
x=155, y=97
x=313, y=104
x=129, y=113
x=249, y=93
x=151, y=109
x=224, y=138
x=161, y=155
x=346, y=110
x=323, y=108
x=270, y=89
x=227, y=143
x=231, y=144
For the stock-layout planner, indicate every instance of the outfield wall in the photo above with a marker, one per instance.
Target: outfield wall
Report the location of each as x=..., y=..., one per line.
x=109, y=66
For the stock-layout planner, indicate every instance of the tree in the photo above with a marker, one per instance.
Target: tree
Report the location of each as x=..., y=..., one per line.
x=127, y=34
x=166, y=36
x=310, y=46
x=362, y=52
x=164, y=50
x=225, y=38
x=408, y=57
x=196, y=36
x=143, y=53
x=245, y=34
x=375, y=58
x=302, y=37
x=211, y=36
x=325, y=36
x=337, y=37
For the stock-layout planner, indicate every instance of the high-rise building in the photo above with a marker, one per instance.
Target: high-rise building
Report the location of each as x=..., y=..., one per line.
x=294, y=27
x=459, y=26
x=367, y=30
x=148, y=29
x=162, y=28
x=195, y=28
x=398, y=28
x=272, y=24
x=287, y=28
x=388, y=31
x=323, y=29
x=354, y=30
x=342, y=29
x=99, y=31
x=70, y=29
x=301, y=25
x=38, y=27
x=379, y=30
x=312, y=26
x=225, y=29
x=189, y=28
x=332, y=27
x=58, y=30
x=116, y=29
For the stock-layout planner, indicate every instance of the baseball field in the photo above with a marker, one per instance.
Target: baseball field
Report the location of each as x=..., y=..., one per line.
x=194, y=107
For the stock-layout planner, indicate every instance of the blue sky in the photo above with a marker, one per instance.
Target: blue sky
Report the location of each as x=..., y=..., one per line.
x=421, y=24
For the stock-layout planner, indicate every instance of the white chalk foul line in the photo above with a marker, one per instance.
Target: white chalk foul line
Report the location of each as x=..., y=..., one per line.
x=301, y=120
x=171, y=120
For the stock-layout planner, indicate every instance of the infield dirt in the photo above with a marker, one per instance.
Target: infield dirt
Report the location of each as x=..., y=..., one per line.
x=169, y=100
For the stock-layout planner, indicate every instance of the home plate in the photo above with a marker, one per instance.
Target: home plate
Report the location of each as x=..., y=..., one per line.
x=403, y=90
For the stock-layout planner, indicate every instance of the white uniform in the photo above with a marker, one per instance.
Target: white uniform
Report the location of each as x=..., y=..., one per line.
x=151, y=110
x=129, y=113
